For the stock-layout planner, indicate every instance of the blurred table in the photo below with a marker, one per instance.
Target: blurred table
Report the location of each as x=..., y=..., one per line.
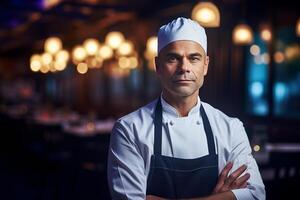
x=55, y=117
x=89, y=128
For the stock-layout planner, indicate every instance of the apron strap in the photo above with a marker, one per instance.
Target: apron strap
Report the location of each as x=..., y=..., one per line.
x=157, y=128
x=208, y=132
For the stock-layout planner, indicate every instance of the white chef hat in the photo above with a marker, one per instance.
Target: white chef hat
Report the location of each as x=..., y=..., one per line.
x=182, y=29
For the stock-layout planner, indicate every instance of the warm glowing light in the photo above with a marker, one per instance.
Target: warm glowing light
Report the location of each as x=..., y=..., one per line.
x=151, y=64
x=45, y=69
x=99, y=61
x=118, y=72
x=128, y=62
x=35, y=65
x=124, y=62
x=207, y=14
x=46, y=58
x=266, y=34
x=114, y=39
x=59, y=66
x=265, y=58
x=52, y=68
x=152, y=45
x=278, y=57
x=91, y=46
x=133, y=62
x=52, y=45
x=47, y=4
x=298, y=28
x=148, y=55
x=256, y=148
x=242, y=34
x=82, y=68
x=126, y=48
x=35, y=57
x=90, y=126
x=62, y=56
x=292, y=52
x=254, y=50
x=105, y=52
x=79, y=53
x=94, y=62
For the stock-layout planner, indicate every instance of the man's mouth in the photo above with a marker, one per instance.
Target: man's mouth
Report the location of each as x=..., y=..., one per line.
x=183, y=80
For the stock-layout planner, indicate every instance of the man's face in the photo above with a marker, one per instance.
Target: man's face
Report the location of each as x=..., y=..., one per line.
x=181, y=67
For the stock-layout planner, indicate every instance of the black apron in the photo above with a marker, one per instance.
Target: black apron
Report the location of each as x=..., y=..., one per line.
x=176, y=178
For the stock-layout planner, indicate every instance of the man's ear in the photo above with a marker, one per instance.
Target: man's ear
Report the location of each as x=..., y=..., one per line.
x=206, y=62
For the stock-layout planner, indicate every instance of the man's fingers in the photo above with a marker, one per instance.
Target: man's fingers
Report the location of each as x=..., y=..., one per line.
x=222, y=177
x=233, y=181
x=218, y=187
x=235, y=175
x=244, y=185
x=225, y=172
x=152, y=197
x=241, y=182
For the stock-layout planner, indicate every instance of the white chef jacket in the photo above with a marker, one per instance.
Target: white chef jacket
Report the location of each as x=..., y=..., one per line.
x=132, y=144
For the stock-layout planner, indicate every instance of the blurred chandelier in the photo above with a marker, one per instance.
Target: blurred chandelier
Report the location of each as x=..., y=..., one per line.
x=151, y=52
x=266, y=34
x=53, y=59
x=298, y=28
x=207, y=14
x=116, y=51
x=242, y=35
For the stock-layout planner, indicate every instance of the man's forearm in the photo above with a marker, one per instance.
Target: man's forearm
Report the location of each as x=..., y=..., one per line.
x=224, y=196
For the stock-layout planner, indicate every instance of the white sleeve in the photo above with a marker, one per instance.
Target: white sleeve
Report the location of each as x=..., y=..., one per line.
x=241, y=154
x=126, y=168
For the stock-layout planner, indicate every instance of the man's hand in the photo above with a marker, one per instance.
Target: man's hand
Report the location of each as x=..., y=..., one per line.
x=233, y=181
x=224, y=185
x=152, y=197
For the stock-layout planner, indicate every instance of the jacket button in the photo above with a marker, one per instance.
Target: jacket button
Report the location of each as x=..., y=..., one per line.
x=171, y=123
x=198, y=122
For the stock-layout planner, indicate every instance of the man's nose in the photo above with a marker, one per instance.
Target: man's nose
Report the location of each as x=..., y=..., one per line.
x=185, y=65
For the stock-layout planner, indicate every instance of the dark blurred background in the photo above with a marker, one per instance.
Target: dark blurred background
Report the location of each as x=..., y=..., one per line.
x=69, y=69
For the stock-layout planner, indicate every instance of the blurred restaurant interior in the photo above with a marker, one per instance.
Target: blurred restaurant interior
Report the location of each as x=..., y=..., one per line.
x=70, y=68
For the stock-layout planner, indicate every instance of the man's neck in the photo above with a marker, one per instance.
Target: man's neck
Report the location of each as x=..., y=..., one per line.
x=183, y=105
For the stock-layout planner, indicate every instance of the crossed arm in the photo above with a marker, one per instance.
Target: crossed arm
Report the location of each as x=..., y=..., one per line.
x=126, y=170
x=224, y=185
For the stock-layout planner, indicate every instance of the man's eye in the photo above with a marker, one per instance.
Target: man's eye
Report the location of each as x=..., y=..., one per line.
x=195, y=59
x=172, y=59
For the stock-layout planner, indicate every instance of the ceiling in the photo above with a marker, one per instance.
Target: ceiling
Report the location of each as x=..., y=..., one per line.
x=25, y=24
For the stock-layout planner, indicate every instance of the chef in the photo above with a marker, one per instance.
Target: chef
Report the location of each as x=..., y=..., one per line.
x=179, y=147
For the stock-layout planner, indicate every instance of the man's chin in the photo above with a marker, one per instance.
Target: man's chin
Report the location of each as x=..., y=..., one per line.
x=185, y=93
